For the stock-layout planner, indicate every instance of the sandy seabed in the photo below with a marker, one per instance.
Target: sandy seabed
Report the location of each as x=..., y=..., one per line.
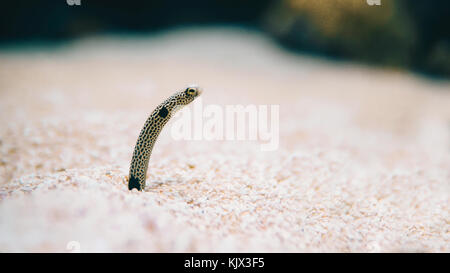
x=363, y=163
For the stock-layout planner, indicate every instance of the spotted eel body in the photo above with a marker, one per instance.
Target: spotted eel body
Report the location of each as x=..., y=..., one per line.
x=153, y=126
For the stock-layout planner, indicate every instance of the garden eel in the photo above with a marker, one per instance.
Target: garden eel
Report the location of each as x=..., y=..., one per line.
x=152, y=127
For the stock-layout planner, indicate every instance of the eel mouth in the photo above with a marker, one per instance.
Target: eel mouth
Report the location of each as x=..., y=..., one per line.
x=199, y=91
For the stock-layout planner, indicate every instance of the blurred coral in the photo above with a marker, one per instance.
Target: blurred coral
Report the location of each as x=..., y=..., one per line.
x=388, y=34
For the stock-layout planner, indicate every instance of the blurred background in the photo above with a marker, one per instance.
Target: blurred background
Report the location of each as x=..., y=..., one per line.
x=398, y=33
x=364, y=140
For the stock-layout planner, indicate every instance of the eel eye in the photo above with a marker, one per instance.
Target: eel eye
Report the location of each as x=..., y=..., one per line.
x=190, y=91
